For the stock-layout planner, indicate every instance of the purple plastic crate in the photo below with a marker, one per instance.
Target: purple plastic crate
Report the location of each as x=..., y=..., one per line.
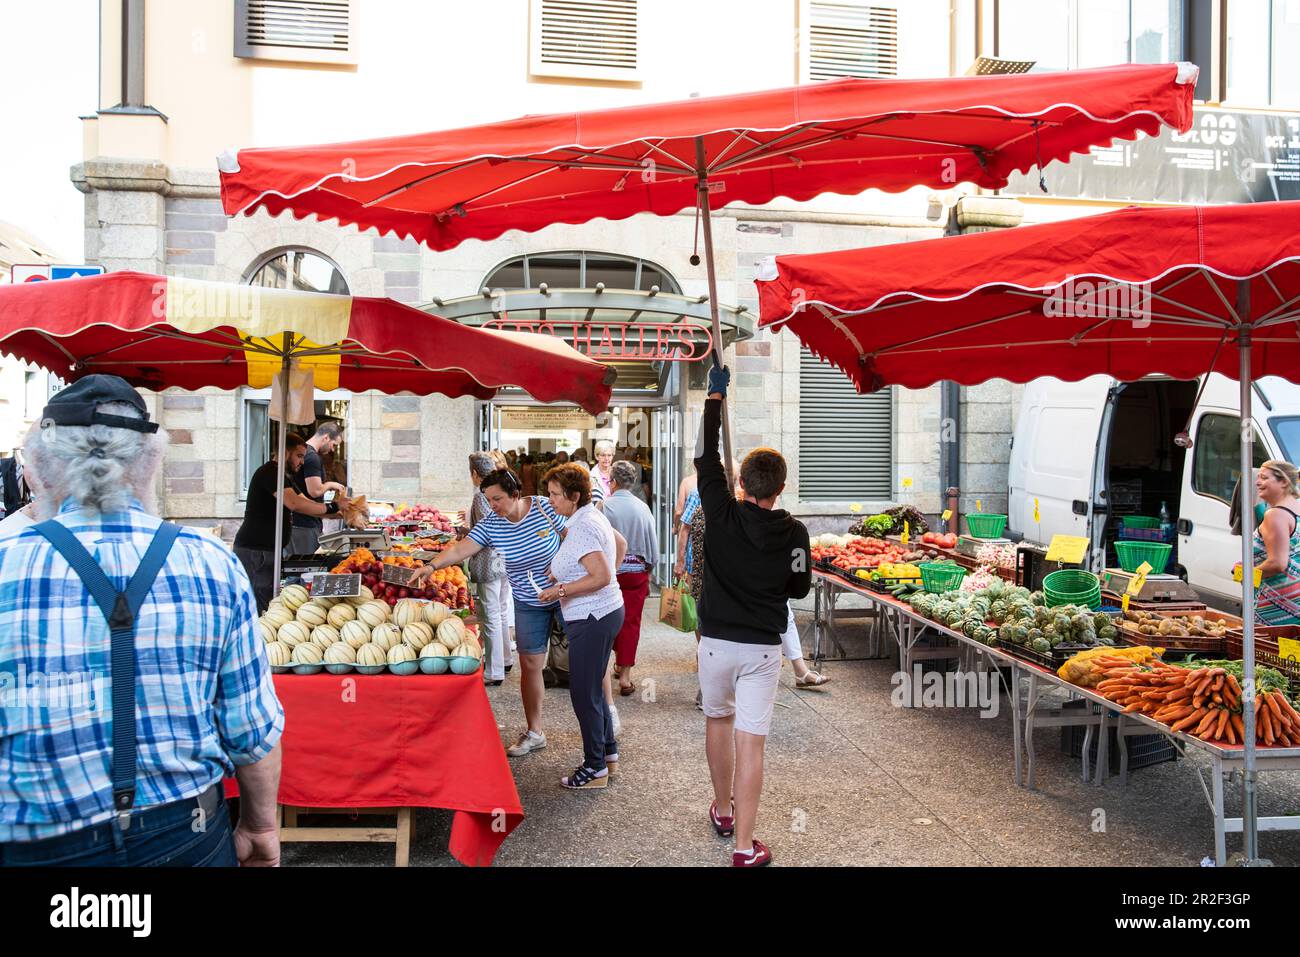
x=1146, y=535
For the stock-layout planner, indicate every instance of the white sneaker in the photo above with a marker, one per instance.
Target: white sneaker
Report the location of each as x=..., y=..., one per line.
x=528, y=741
x=618, y=725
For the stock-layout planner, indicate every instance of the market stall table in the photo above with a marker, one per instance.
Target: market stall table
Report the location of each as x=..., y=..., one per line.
x=382, y=741
x=905, y=626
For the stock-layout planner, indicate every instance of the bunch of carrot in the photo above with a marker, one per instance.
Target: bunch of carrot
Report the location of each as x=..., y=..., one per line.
x=1205, y=701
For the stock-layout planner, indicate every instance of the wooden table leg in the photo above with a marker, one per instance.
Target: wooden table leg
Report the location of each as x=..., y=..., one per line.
x=405, y=829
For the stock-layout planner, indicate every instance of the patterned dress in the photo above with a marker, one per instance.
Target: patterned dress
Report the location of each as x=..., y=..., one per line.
x=1278, y=600
x=693, y=518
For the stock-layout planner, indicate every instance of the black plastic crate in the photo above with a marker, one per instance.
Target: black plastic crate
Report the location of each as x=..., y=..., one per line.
x=1052, y=660
x=1144, y=750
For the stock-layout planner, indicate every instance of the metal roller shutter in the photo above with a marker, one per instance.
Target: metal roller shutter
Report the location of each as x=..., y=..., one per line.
x=846, y=440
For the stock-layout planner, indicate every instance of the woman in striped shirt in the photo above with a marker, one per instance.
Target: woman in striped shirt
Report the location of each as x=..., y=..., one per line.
x=525, y=530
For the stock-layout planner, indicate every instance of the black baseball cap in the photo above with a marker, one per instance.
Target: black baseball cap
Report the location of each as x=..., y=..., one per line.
x=77, y=404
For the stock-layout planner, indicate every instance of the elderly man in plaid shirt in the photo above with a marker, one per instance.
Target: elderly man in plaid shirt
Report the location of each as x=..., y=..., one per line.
x=132, y=675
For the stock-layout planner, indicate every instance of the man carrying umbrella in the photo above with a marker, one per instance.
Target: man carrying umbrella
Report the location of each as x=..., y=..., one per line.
x=255, y=540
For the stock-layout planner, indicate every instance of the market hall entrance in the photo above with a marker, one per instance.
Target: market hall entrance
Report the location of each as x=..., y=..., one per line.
x=649, y=435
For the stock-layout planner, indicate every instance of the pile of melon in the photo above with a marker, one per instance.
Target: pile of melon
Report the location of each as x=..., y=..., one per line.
x=305, y=635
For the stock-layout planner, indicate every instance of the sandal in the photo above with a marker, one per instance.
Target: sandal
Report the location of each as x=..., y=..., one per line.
x=812, y=679
x=584, y=778
x=627, y=690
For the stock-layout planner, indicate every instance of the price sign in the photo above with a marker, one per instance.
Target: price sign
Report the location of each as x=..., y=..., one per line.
x=855, y=507
x=397, y=575
x=336, y=586
x=1139, y=578
x=1069, y=549
x=907, y=528
x=1289, y=648
x=1236, y=574
x=1037, y=517
x=947, y=514
x=1123, y=602
x=979, y=506
x=907, y=483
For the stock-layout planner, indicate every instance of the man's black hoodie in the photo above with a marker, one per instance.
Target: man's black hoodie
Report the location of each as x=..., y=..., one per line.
x=755, y=559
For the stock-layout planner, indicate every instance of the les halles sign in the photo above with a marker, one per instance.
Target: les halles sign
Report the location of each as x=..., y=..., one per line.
x=626, y=341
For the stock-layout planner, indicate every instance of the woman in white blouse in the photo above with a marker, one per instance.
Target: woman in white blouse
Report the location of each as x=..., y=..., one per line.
x=592, y=604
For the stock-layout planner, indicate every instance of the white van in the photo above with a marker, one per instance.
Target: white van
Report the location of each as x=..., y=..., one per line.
x=1095, y=450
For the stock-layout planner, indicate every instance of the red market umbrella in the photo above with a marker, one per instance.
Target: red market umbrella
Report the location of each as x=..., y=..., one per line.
x=1182, y=291
x=842, y=136
x=162, y=331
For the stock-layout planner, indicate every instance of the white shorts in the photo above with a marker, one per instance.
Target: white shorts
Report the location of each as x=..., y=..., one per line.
x=741, y=680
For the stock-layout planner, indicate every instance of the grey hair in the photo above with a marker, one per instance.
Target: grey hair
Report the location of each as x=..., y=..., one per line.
x=99, y=467
x=604, y=445
x=623, y=474
x=481, y=464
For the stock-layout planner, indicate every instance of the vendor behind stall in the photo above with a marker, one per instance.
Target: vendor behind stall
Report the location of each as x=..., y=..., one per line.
x=1277, y=545
x=309, y=479
x=255, y=540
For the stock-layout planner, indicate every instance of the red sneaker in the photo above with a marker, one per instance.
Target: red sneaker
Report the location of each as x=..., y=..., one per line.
x=725, y=826
x=759, y=856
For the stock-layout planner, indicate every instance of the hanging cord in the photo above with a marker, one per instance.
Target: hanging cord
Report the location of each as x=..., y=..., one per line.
x=1038, y=157
x=695, y=249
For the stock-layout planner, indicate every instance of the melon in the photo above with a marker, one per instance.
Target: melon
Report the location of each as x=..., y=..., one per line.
x=468, y=650
x=307, y=654
x=355, y=633
x=435, y=613
x=472, y=642
x=373, y=613
x=433, y=650
x=385, y=635
x=325, y=635
x=417, y=634
x=341, y=614
x=293, y=633
x=266, y=629
x=399, y=653
x=294, y=597
x=278, y=616
x=406, y=611
x=277, y=604
x=340, y=653
x=366, y=596
x=451, y=632
x=278, y=653
x=371, y=654
x=312, y=614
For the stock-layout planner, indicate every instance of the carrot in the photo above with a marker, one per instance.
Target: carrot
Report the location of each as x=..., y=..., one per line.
x=1239, y=725
x=1181, y=692
x=1198, y=701
x=1217, y=684
x=1273, y=706
x=1231, y=733
x=1223, y=720
x=1204, y=685
x=1266, y=724
x=1210, y=717
x=1191, y=719
x=1217, y=672
x=1135, y=706
x=1217, y=698
x=1234, y=685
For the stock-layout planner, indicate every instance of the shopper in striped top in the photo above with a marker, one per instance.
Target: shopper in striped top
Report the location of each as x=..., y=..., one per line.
x=526, y=531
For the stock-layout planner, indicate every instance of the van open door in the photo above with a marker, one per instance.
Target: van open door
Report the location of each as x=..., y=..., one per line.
x=1054, y=456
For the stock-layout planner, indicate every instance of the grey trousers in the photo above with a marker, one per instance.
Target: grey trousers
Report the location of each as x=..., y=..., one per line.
x=304, y=541
x=590, y=643
x=261, y=571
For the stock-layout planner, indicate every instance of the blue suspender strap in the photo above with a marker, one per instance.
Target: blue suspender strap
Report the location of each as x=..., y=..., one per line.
x=119, y=609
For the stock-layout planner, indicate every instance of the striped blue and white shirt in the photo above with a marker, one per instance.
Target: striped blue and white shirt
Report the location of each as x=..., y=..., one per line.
x=527, y=546
x=204, y=698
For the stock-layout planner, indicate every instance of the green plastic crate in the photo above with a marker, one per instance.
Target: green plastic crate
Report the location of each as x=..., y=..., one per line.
x=1132, y=554
x=986, y=524
x=1140, y=521
x=941, y=576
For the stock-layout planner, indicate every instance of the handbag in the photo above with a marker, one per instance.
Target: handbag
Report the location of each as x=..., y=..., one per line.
x=677, y=607
x=556, y=672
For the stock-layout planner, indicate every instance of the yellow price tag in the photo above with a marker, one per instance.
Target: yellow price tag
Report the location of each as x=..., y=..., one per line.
x=1069, y=549
x=907, y=483
x=855, y=507
x=947, y=514
x=1236, y=574
x=1139, y=578
x=1288, y=648
x=1259, y=576
x=906, y=530
x=1123, y=602
x=979, y=506
x=1037, y=517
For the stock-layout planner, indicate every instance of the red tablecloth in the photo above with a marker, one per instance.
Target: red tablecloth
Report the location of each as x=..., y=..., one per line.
x=385, y=741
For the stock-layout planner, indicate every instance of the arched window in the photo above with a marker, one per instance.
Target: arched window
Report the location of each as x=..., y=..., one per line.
x=580, y=269
x=297, y=268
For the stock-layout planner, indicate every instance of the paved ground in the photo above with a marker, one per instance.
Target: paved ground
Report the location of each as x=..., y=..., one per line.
x=851, y=780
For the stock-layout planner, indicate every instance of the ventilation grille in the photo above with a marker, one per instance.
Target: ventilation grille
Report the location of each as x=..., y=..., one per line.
x=849, y=39
x=585, y=39
x=315, y=31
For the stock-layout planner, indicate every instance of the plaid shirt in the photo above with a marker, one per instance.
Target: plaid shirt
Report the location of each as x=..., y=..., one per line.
x=204, y=698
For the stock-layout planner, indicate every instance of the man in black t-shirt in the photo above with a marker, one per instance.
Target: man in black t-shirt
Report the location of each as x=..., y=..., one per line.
x=255, y=540
x=309, y=480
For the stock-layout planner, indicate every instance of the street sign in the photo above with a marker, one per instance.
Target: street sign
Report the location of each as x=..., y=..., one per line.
x=40, y=272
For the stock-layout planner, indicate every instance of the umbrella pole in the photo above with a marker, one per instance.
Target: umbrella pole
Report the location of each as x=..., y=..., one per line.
x=1249, y=819
x=280, y=462
x=702, y=191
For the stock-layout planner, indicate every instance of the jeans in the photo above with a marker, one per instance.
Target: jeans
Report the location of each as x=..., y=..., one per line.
x=260, y=566
x=494, y=624
x=590, y=643
x=172, y=835
x=533, y=627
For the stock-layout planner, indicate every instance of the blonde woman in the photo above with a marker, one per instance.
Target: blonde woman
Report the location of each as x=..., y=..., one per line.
x=1277, y=544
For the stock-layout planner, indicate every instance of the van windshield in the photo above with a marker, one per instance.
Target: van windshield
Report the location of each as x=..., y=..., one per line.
x=1287, y=431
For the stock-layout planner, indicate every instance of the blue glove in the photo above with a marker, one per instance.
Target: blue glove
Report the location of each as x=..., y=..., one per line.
x=719, y=379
